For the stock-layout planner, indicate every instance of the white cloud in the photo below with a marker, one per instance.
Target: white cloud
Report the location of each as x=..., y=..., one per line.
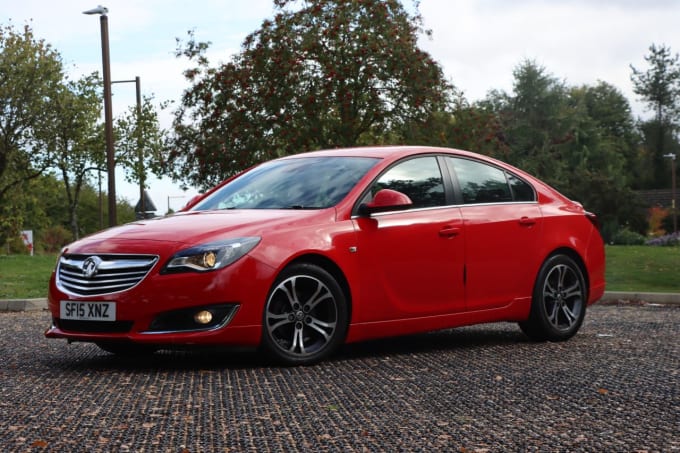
x=479, y=43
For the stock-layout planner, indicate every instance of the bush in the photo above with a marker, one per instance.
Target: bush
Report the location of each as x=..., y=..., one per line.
x=627, y=237
x=667, y=223
x=15, y=246
x=55, y=238
x=665, y=240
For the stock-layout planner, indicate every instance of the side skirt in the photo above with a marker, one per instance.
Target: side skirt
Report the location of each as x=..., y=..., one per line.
x=518, y=310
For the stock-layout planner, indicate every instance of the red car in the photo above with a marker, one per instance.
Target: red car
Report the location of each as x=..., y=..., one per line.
x=304, y=253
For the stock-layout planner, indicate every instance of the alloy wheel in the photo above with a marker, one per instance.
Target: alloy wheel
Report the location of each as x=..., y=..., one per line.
x=301, y=316
x=563, y=296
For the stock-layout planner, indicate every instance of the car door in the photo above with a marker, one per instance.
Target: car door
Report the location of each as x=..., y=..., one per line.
x=412, y=260
x=503, y=227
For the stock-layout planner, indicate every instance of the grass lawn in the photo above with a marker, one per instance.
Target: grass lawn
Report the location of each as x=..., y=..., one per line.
x=643, y=268
x=24, y=276
x=629, y=268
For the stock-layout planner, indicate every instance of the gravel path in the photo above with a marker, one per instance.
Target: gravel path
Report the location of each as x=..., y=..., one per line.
x=614, y=387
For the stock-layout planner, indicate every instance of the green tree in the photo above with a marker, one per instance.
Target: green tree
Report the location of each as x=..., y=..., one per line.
x=536, y=122
x=39, y=206
x=581, y=140
x=600, y=155
x=472, y=127
x=75, y=138
x=140, y=141
x=331, y=73
x=610, y=110
x=30, y=74
x=659, y=87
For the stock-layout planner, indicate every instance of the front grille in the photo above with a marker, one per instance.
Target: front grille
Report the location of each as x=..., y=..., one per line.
x=94, y=326
x=95, y=275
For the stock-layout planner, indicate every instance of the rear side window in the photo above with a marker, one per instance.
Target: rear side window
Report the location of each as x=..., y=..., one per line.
x=521, y=190
x=483, y=183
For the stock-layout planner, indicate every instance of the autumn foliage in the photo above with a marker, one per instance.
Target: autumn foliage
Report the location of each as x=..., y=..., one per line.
x=330, y=73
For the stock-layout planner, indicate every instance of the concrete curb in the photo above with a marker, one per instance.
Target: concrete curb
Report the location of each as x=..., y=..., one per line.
x=609, y=297
x=632, y=296
x=23, y=304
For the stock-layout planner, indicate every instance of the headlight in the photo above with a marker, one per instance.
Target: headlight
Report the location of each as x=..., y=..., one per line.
x=211, y=256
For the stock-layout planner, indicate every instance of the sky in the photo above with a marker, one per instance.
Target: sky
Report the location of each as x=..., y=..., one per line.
x=477, y=42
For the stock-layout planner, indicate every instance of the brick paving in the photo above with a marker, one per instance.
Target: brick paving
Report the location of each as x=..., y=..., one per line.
x=613, y=387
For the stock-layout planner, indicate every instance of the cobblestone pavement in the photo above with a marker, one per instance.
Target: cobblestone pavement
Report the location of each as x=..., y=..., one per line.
x=613, y=387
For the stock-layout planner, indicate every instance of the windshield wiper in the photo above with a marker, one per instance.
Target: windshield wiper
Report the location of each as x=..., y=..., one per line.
x=299, y=206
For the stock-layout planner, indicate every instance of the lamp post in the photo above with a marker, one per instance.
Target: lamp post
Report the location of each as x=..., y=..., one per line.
x=172, y=196
x=108, y=115
x=138, y=90
x=672, y=156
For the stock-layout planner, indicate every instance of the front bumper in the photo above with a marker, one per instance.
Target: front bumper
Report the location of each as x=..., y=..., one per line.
x=162, y=309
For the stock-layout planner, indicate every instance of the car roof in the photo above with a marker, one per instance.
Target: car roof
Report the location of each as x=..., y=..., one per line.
x=381, y=152
x=398, y=152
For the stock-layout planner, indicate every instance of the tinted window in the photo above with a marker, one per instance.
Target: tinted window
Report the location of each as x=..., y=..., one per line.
x=521, y=190
x=303, y=183
x=418, y=178
x=481, y=183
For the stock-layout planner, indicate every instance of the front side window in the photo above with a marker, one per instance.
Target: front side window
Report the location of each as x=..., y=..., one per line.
x=420, y=179
x=301, y=183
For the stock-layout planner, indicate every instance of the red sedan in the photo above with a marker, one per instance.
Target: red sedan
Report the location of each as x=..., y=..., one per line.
x=304, y=253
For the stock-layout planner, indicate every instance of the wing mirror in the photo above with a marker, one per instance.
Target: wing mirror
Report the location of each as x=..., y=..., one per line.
x=385, y=200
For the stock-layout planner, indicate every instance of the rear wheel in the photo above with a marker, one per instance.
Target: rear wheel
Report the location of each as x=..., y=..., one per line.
x=305, y=317
x=559, y=301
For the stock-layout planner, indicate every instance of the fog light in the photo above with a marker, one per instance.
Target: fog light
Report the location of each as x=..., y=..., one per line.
x=203, y=317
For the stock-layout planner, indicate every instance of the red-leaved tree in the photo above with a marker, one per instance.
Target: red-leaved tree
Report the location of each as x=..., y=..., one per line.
x=331, y=73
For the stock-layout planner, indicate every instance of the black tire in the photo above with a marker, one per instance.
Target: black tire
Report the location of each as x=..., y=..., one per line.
x=305, y=316
x=127, y=349
x=559, y=301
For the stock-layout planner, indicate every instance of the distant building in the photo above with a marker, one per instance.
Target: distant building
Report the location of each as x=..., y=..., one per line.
x=655, y=198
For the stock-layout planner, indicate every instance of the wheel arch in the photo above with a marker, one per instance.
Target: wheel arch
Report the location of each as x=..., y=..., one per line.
x=332, y=268
x=574, y=255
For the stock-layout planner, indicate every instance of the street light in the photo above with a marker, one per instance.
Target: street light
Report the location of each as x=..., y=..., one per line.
x=172, y=197
x=108, y=114
x=671, y=156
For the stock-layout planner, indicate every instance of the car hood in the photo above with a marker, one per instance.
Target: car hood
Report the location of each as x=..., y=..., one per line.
x=191, y=228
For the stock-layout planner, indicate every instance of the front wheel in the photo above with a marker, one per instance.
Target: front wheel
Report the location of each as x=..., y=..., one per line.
x=305, y=316
x=559, y=301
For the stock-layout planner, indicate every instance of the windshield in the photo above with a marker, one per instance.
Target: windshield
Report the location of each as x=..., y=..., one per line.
x=301, y=183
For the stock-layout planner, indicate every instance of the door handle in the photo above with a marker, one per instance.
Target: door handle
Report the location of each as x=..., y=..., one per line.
x=449, y=231
x=527, y=221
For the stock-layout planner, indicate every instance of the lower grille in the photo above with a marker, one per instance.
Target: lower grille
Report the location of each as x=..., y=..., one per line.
x=94, y=326
x=183, y=320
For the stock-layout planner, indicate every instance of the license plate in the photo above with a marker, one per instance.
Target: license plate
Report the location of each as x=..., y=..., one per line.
x=87, y=311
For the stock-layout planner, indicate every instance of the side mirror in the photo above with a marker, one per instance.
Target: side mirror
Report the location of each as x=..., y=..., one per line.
x=385, y=200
